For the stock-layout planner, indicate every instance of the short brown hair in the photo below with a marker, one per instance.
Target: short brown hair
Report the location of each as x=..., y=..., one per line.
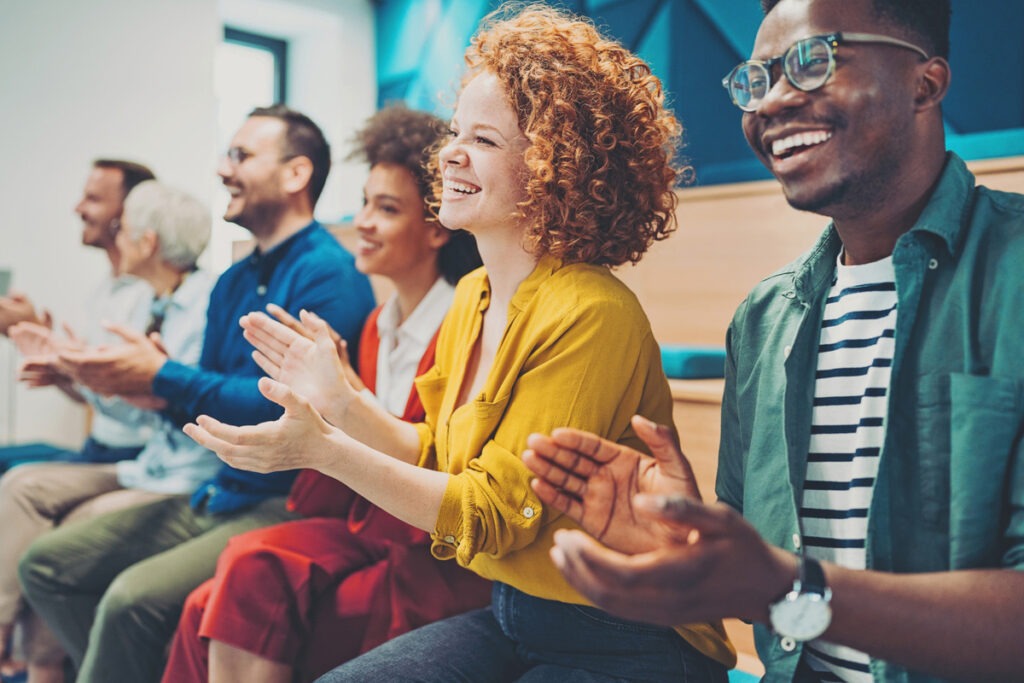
x=132, y=173
x=302, y=138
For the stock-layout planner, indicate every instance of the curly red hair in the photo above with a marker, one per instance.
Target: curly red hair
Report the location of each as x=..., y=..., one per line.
x=602, y=143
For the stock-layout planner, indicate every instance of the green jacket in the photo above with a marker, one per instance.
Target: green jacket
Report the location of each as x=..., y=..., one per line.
x=950, y=487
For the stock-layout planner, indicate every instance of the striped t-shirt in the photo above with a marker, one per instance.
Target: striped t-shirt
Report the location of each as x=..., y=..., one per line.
x=847, y=430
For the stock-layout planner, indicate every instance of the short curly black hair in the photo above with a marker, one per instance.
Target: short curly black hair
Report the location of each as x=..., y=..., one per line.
x=405, y=137
x=399, y=135
x=924, y=22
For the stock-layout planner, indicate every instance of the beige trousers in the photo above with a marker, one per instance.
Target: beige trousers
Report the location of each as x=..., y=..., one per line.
x=34, y=498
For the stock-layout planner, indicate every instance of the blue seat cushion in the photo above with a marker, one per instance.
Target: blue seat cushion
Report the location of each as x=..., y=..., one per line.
x=693, y=362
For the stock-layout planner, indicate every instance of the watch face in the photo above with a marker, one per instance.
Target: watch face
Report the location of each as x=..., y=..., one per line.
x=801, y=616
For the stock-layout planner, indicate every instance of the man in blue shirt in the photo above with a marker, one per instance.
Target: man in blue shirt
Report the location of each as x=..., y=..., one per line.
x=112, y=588
x=872, y=535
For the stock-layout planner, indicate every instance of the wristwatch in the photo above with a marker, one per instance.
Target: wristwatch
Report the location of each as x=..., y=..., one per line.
x=804, y=612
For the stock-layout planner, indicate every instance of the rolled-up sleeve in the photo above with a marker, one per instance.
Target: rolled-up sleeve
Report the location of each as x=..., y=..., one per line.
x=591, y=367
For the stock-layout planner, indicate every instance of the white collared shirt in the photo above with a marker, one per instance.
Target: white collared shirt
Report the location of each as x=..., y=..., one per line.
x=402, y=346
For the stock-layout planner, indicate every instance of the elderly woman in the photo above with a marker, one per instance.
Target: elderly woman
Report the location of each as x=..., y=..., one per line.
x=560, y=162
x=162, y=233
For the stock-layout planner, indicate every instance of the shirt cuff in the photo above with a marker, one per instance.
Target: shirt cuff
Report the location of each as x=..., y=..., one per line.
x=449, y=537
x=171, y=382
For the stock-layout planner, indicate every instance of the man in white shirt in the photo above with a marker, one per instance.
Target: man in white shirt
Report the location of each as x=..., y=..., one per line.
x=114, y=299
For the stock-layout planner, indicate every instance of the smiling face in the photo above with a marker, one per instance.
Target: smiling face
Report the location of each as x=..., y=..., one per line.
x=395, y=238
x=843, y=148
x=482, y=165
x=255, y=180
x=100, y=206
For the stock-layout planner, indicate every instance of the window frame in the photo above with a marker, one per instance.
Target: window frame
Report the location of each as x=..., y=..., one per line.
x=277, y=47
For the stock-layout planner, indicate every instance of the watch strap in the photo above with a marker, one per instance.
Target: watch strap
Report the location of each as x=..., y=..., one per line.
x=812, y=576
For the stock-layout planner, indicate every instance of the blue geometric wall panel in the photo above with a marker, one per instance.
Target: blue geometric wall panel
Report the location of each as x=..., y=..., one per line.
x=691, y=44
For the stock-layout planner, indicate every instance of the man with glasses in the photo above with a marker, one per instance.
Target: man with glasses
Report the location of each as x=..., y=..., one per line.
x=112, y=588
x=871, y=469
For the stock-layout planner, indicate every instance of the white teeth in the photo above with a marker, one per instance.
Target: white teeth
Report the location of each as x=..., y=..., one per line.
x=459, y=187
x=808, y=139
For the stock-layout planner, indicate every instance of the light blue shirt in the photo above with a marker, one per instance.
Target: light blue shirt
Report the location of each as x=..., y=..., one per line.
x=125, y=301
x=171, y=462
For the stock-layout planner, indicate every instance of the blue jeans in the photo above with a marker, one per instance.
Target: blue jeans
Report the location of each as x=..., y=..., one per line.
x=523, y=638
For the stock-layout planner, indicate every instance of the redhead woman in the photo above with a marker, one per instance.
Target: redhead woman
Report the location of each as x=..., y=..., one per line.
x=290, y=601
x=560, y=162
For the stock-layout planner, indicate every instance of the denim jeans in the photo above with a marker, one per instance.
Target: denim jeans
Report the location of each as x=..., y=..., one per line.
x=523, y=638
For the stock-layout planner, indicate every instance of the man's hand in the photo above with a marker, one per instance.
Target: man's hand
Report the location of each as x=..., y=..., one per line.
x=723, y=568
x=666, y=557
x=594, y=481
x=124, y=370
x=40, y=346
x=34, y=340
x=16, y=307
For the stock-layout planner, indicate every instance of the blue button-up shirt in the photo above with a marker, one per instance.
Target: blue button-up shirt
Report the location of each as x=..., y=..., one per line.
x=309, y=270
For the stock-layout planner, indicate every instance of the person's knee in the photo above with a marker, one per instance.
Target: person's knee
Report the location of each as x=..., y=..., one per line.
x=253, y=565
x=36, y=570
x=125, y=604
x=19, y=482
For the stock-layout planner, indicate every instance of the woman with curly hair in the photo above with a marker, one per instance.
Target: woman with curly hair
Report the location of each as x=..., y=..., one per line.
x=290, y=601
x=560, y=162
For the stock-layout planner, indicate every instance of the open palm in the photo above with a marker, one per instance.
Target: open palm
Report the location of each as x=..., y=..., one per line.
x=594, y=482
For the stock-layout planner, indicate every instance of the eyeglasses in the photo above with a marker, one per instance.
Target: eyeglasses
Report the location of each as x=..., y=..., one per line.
x=807, y=64
x=236, y=155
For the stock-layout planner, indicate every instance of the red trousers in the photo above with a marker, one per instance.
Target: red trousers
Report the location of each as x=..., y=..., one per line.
x=314, y=593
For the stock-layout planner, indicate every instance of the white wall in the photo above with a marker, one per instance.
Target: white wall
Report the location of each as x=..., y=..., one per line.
x=120, y=78
x=134, y=79
x=331, y=78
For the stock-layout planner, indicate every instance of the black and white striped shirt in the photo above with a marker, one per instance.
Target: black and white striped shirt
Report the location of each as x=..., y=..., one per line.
x=847, y=430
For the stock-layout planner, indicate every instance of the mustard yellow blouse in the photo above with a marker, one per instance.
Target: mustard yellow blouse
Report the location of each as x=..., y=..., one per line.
x=577, y=351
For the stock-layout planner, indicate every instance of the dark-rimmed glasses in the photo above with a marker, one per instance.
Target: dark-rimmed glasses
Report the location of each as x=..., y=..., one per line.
x=807, y=65
x=237, y=155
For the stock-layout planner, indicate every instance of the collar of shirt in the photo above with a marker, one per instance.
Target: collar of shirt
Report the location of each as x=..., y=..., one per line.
x=265, y=263
x=424, y=320
x=184, y=296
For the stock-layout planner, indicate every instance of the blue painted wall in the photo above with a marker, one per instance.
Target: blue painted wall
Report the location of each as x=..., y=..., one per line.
x=691, y=44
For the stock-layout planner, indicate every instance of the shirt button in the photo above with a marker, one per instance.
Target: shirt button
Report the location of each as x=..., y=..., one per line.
x=528, y=512
x=788, y=644
x=786, y=351
x=933, y=264
x=796, y=541
x=449, y=539
x=261, y=290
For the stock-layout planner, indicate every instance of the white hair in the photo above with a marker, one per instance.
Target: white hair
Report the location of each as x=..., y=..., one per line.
x=181, y=222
